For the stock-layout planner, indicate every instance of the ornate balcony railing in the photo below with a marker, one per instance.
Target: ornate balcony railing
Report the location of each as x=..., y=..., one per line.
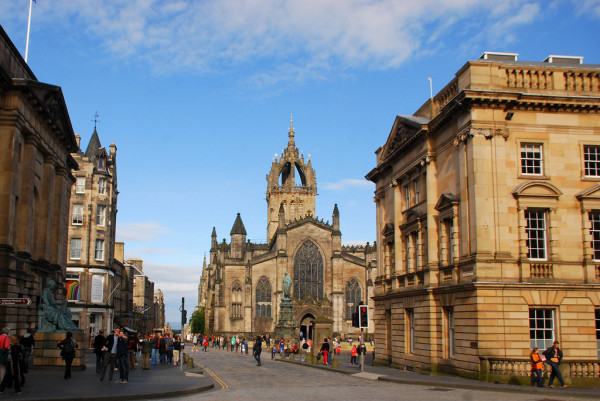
x=541, y=270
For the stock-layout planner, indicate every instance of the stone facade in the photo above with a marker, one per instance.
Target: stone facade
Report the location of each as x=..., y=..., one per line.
x=241, y=286
x=488, y=220
x=91, y=265
x=159, y=310
x=143, y=299
x=36, y=141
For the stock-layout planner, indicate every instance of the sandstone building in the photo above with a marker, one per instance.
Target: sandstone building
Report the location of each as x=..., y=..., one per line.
x=36, y=142
x=488, y=220
x=91, y=262
x=241, y=286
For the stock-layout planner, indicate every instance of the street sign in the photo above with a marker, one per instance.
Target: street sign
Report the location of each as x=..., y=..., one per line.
x=15, y=301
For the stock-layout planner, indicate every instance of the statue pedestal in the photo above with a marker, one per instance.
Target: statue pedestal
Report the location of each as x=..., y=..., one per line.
x=287, y=327
x=47, y=354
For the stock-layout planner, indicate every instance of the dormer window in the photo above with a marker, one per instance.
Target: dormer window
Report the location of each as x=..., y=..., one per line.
x=101, y=163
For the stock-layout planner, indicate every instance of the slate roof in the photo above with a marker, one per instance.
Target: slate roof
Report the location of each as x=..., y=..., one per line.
x=94, y=145
x=238, y=226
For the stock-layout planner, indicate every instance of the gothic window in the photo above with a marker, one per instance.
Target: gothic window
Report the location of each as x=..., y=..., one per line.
x=236, y=300
x=308, y=271
x=263, y=298
x=353, y=296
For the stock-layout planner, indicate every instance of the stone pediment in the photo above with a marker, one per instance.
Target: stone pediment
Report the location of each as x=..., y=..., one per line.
x=309, y=220
x=592, y=192
x=539, y=189
x=404, y=130
x=388, y=230
x=446, y=201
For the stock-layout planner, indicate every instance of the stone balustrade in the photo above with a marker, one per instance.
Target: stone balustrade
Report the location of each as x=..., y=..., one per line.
x=541, y=270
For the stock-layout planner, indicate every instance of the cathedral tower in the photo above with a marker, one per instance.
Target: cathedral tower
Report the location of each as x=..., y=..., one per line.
x=291, y=183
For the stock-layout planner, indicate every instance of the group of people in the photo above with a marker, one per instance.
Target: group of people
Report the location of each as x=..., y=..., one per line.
x=120, y=349
x=552, y=356
x=14, y=359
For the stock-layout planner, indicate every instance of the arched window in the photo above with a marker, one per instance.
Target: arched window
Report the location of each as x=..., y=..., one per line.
x=263, y=298
x=353, y=296
x=236, y=300
x=308, y=271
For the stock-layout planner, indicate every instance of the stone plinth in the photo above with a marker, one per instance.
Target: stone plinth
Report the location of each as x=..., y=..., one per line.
x=47, y=354
x=287, y=328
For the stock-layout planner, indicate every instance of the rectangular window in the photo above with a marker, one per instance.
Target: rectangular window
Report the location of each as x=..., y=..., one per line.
x=102, y=186
x=75, y=248
x=531, y=159
x=536, y=234
x=417, y=191
x=80, y=185
x=598, y=331
x=595, y=232
x=101, y=215
x=541, y=328
x=407, y=252
x=410, y=317
x=591, y=160
x=77, y=215
x=99, y=249
x=450, y=330
x=415, y=241
x=449, y=227
x=407, y=196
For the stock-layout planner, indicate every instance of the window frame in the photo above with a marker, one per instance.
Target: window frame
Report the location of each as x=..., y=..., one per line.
x=410, y=331
x=80, y=187
x=595, y=234
x=101, y=215
x=451, y=332
x=72, y=248
x=102, y=181
x=529, y=230
x=543, y=342
x=542, y=165
x=417, y=190
x=77, y=211
x=99, y=249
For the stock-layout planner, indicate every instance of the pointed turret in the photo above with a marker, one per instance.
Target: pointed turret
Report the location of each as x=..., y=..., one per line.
x=336, y=218
x=213, y=240
x=281, y=221
x=93, y=146
x=238, y=238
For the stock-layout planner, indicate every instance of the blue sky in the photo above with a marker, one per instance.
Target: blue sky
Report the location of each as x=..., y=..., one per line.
x=197, y=96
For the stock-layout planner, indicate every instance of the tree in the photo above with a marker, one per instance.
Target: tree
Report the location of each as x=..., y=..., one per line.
x=197, y=321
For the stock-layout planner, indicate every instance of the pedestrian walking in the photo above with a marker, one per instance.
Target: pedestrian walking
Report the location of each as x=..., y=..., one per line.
x=257, y=349
x=110, y=354
x=14, y=374
x=27, y=342
x=204, y=343
x=154, y=346
x=176, y=351
x=195, y=341
x=98, y=345
x=4, y=348
x=354, y=355
x=146, y=352
x=67, y=352
x=132, y=348
x=325, y=350
x=162, y=350
x=537, y=367
x=123, y=356
x=554, y=356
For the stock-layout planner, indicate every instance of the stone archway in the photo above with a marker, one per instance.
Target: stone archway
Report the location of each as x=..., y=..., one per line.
x=307, y=326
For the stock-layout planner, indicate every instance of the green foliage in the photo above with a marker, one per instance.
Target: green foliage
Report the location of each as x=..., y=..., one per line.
x=197, y=321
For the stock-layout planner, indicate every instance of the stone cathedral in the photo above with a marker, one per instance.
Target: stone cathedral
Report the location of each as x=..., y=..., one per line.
x=240, y=288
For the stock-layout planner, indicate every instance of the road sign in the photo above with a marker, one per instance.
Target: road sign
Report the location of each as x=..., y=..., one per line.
x=15, y=301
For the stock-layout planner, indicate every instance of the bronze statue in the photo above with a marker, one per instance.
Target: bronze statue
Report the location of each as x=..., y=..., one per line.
x=286, y=286
x=54, y=315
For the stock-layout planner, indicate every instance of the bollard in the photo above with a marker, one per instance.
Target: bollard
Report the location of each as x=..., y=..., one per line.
x=190, y=363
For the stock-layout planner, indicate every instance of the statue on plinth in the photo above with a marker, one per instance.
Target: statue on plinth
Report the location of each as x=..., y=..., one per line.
x=286, y=287
x=54, y=315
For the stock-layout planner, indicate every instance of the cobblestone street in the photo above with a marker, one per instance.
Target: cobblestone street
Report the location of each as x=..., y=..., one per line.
x=238, y=378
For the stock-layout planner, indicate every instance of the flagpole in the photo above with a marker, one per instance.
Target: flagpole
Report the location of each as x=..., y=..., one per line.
x=28, y=26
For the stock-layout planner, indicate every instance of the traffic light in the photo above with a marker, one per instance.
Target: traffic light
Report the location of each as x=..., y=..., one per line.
x=184, y=317
x=363, y=316
x=355, y=318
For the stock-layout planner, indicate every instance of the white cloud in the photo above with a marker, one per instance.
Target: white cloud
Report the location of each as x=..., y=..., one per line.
x=347, y=183
x=312, y=35
x=587, y=7
x=140, y=232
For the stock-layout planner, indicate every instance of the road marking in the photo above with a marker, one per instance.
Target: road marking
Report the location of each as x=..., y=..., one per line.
x=214, y=376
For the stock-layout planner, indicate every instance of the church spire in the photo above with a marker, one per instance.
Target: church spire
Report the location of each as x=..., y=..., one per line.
x=291, y=143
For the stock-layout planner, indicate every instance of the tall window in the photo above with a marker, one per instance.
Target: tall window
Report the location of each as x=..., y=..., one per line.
x=449, y=227
x=591, y=160
x=102, y=186
x=263, y=298
x=101, y=215
x=353, y=296
x=407, y=252
x=415, y=241
x=531, y=159
x=417, y=191
x=536, y=234
x=410, y=317
x=75, y=248
x=308, y=271
x=77, y=215
x=451, y=353
x=99, y=249
x=598, y=331
x=541, y=328
x=236, y=300
x=595, y=232
x=80, y=185
x=407, y=196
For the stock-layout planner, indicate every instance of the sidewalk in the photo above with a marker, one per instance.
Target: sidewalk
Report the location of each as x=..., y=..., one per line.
x=158, y=382
x=443, y=381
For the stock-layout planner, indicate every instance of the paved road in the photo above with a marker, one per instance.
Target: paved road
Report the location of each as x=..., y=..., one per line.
x=238, y=378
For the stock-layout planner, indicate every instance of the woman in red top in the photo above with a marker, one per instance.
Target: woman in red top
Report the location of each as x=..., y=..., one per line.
x=537, y=367
x=353, y=355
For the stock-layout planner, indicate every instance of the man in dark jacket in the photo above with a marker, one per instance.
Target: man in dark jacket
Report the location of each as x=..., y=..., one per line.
x=553, y=357
x=123, y=355
x=98, y=345
x=110, y=354
x=257, y=349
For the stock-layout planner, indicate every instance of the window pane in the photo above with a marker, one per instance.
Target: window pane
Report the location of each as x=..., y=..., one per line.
x=591, y=160
x=536, y=233
x=531, y=159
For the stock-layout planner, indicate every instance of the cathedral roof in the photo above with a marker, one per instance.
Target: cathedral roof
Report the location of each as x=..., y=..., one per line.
x=94, y=145
x=238, y=226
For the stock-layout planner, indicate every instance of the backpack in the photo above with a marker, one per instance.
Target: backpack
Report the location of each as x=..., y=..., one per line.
x=67, y=347
x=169, y=342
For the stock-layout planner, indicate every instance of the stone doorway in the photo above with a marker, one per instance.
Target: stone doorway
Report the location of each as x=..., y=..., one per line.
x=307, y=326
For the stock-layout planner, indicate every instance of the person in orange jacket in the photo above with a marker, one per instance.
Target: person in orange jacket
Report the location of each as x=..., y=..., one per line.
x=354, y=355
x=537, y=367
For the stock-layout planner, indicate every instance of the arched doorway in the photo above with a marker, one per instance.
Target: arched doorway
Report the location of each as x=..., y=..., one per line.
x=307, y=326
